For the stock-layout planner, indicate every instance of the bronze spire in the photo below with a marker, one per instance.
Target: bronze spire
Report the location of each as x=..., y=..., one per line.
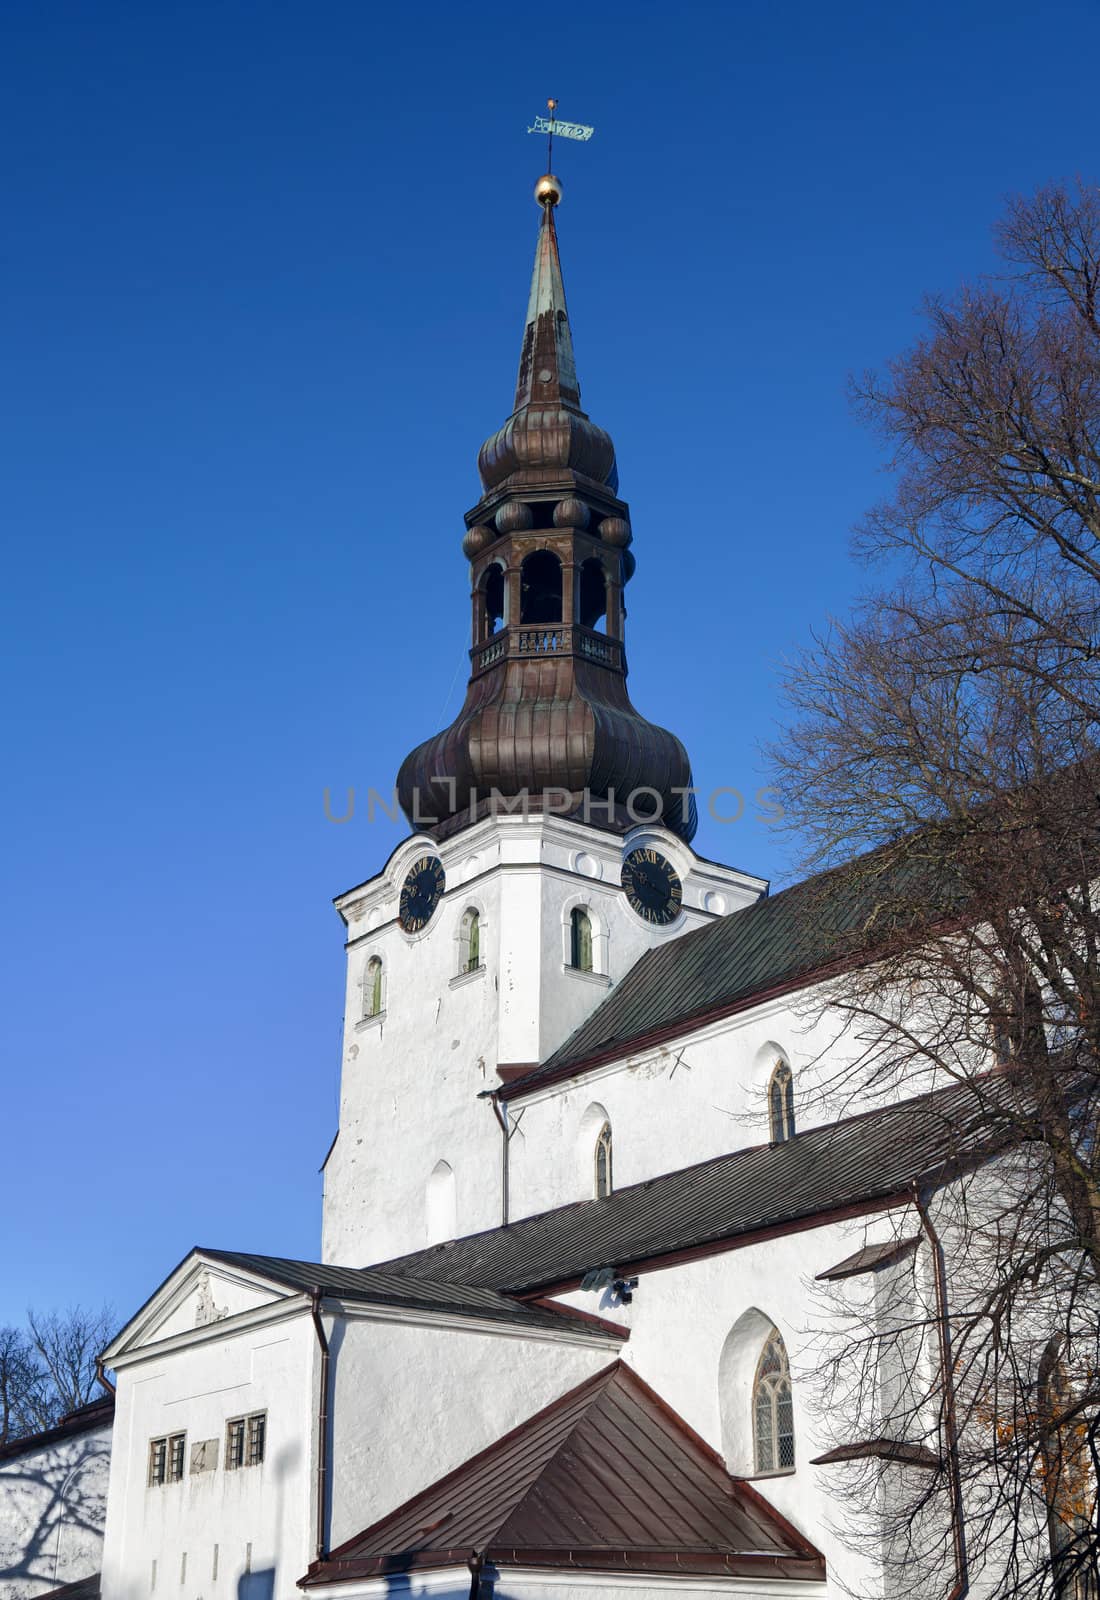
x=547, y=715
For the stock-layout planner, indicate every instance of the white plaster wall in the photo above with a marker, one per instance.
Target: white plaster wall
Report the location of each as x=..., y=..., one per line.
x=671, y=1106
x=412, y=1076
x=196, y=1390
x=410, y=1403
x=680, y=1318
x=536, y=1584
x=53, y=1503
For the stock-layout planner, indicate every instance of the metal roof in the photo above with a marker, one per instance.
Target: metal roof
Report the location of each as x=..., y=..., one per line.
x=373, y=1287
x=607, y=1477
x=874, y=1157
x=774, y=944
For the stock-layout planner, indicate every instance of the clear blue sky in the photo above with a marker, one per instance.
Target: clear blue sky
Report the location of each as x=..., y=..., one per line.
x=262, y=287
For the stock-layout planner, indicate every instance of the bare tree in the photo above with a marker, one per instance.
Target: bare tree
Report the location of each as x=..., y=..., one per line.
x=49, y=1368
x=942, y=762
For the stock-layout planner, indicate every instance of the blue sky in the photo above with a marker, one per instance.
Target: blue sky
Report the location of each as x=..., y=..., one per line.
x=263, y=283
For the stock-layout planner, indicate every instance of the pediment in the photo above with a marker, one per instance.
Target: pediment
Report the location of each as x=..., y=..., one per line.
x=197, y=1296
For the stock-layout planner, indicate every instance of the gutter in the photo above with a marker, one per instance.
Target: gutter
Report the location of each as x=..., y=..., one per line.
x=950, y=1418
x=322, y=1422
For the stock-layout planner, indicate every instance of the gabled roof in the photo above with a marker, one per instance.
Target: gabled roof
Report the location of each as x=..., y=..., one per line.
x=81, y=1589
x=857, y=1164
x=372, y=1287
x=773, y=946
x=608, y=1478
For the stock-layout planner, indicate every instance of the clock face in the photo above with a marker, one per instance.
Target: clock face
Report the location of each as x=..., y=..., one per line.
x=652, y=887
x=420, y=893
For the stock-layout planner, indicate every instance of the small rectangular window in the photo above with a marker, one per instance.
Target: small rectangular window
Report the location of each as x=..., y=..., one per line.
x=245, y=1440
x=166, y=1458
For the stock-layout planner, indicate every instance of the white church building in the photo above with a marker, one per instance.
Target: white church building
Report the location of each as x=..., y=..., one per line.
x=557, y=1340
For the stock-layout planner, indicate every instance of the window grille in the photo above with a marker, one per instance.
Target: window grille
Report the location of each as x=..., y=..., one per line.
x=166, y=1458
x=245, y=1440
x=372, y=988
x=773, y=1408
x=580, y=955
x=603, y=1162
x=470, y=942
x=158, y=1461
x=781, y=1103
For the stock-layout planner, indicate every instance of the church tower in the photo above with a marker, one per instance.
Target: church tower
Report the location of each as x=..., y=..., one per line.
x=552, y=827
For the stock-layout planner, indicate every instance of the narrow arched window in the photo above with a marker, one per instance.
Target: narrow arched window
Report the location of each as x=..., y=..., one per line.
x=773, y=1408
x=441, y=1207
x=781, y=1103
x=580, y=948
x=372, y=988
x=469, y=941
x=603, y=1162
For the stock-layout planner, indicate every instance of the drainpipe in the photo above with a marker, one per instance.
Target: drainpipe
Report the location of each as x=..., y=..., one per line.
x=950, y=1418
x=501, y=1109
x=322, y=1423
x=475, y=1564
x=102, y=1376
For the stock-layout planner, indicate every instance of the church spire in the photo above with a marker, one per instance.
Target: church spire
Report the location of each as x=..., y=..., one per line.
x=547, y=711
x=547, y=370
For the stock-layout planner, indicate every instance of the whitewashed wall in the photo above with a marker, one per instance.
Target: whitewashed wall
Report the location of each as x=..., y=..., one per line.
x=53, y=1503
x=412, y=1076
x=258, y=1518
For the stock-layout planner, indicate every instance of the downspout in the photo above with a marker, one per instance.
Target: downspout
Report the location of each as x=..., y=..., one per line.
x=501, y=1110
x=322, y=1423
x=102, y=1376
x=950, y=1418
x=475, y=1564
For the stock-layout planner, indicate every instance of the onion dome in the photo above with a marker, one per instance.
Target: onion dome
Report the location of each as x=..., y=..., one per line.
x=547, y=722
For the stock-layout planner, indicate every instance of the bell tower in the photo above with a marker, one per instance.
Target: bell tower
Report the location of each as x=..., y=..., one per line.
x=551, y=834
x=547, y=715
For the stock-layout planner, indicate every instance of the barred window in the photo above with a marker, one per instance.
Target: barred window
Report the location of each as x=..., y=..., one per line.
x=580, y=942
x=245, y=1439
x=166, y=1457
x=603, y=1162
x=372, y=988
x=773, y=1408
x=781, y=1103
x=469, y=941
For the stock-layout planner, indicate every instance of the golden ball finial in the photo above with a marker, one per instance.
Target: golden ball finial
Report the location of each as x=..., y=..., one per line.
x=548, y=190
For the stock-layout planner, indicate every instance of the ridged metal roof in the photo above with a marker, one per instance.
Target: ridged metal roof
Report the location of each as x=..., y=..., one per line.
x=864, y=1159
x=606, y=1478
x=770, y=945
x=420, y=1293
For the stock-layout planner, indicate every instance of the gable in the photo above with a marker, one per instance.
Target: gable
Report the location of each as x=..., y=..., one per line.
x=199, y=1294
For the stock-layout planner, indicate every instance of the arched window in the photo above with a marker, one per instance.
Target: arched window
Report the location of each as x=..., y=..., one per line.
x=772, y=1408
x=591, y=593
x=492, y=591
x=442, y=1211
x=540, y=587
x=602, y=1163
x=372, y=988
x=469, y=941
x=580, y=949
x=781, y=1103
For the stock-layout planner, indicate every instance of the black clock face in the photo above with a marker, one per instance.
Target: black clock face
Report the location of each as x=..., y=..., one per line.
x=652, y=887
x=420, y=893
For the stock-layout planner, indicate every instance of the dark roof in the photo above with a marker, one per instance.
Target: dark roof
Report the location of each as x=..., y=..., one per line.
x=82, y=1589
x=773, y=945
x=871, y=1257
x=373, y=1287
x=607, y=1477
x=872, y=1158
x=96, y=1414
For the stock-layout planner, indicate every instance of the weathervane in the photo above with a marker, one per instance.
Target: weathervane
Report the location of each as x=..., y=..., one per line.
x=566, y=130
